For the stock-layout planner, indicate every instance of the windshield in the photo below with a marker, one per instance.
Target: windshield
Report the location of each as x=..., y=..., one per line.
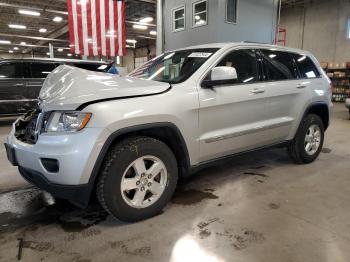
x=174, y=67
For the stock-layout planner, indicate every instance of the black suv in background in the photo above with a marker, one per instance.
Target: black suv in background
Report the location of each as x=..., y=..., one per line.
x=21, y=80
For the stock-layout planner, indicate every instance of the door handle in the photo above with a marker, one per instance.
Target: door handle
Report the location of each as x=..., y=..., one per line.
x=258, y=91
x=300, y=86
x=19, y=84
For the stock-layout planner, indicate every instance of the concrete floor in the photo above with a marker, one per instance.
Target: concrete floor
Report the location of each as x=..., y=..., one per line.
x=256, y=207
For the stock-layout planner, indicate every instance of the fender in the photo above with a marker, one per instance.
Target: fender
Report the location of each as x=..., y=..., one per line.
x=131, y=129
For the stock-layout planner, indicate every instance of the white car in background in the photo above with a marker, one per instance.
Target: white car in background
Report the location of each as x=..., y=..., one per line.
x=129, y=139
x=347, y=103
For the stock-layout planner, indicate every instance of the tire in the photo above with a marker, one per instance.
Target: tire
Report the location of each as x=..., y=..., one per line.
x=297, y=147
x=124, y=161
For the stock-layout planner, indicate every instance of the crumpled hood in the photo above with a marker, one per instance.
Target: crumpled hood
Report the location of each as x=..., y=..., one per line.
x=67, y=88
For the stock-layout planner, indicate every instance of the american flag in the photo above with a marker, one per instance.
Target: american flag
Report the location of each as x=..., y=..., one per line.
x=97, y=27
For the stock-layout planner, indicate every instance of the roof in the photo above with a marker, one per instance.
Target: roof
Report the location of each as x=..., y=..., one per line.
x=247, y=44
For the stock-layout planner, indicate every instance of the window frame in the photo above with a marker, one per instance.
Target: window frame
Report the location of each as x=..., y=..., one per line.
x=222, y=56
x=293, y=54
x=226, y=20
x=40, y=62
x=21, y=69
x=265, y=75
x=194, y=14
x=174, y=20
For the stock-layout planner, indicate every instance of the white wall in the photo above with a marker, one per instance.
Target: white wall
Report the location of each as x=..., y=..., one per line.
x=320, y=28
x=256, y=22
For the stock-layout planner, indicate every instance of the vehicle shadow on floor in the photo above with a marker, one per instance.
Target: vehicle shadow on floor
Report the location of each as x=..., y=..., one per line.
x=29, y=207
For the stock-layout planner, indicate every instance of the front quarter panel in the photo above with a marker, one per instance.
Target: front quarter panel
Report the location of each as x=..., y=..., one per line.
x=178, y=106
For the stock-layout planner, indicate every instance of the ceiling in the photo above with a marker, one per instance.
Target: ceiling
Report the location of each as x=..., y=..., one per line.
x=57, y=32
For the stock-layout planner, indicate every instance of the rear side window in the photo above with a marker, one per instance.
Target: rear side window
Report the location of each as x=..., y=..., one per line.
x=244, y=61
x=307, y=68
x=11, y=70
x=41, y=69
x=278, y=65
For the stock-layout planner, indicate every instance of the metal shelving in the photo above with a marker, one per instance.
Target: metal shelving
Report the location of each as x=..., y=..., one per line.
x=340, y=78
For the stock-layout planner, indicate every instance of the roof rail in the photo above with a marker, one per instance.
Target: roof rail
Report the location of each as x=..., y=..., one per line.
x=252, y=42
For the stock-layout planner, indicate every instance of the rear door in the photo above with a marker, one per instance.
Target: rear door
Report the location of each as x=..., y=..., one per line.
x=38, y=71
x=288, y=93
x=13, y=93
x=233, y=117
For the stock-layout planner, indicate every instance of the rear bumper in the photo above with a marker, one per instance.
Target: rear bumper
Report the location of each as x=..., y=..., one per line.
x=77, y=194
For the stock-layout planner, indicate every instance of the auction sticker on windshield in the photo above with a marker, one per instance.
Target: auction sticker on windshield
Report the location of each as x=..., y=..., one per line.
x=200, y=55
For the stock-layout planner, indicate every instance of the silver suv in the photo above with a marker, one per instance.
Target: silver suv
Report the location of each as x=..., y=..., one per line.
x=131, y=138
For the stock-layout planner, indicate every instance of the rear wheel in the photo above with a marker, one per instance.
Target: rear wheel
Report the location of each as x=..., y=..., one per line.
x=138, y=178
x=308, y=142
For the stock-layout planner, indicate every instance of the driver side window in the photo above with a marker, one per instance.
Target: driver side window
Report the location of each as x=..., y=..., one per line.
x=244, y=61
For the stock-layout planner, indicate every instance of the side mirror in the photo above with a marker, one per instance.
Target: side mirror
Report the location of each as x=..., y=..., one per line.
x=221, y=75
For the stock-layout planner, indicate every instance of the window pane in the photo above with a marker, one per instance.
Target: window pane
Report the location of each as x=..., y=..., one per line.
x=279, y=65
x=244, y=62
x=306, y=67
x=93, y=67
x=179, y=14
x=200, y=19
x=174, y=67
x=10, y=70
x=200, y=7
x=41, y=70
x=179, y=24
x=231, y=11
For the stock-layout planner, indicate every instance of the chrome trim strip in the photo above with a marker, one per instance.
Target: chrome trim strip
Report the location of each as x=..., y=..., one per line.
x=18, y=100
x=246, y=132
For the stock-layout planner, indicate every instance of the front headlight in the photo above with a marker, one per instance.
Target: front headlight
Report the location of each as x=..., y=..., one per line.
x=71, y=121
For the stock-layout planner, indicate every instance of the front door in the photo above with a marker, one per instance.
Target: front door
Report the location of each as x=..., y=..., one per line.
x=233, y=118
x=38, y=71
x=13, y=93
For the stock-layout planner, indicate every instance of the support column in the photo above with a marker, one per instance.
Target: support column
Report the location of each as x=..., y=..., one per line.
x=160, y=29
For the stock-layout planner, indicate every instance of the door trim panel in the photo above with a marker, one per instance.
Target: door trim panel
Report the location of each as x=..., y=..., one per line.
x=282, y=122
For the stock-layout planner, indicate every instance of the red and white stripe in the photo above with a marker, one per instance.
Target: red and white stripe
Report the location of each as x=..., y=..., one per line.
x=97, y=27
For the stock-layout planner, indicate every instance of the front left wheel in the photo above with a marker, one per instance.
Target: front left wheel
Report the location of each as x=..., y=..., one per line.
x=138, y=178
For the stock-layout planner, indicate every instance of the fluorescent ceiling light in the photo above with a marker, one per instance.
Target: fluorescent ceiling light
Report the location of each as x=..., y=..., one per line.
x=28, y=12
x=15, y=48
x=153, y=32
x=146, y=19
x=140, y=27
x=131, y=41
x=59, y=49
x=57, y=19
x=23, y=43
x=69, y=54
x=17, y=26
x=42, y=30
x=48, y=53
x=272, y=56
x=5, y=42
x=45, y=72
x=10, y=51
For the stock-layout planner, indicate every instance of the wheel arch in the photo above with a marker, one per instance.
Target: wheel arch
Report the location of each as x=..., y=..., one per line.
x=166, y=132
x=320, y=109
